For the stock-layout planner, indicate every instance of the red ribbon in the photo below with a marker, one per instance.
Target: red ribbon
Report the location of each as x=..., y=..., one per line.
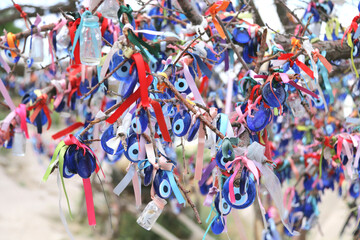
x=67, y=130
x=22, y=13
x=74, y=80
x=40, y=105
x=353, y=27
x=306, y=69
x=72, y=29
x=142, y=67
x=161, y=120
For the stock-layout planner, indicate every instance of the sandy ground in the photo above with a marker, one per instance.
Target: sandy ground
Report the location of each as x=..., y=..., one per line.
x=28, y=207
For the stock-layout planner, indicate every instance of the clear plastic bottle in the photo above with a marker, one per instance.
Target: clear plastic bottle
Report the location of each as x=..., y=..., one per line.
x=90, y=41
x=37, y=48
x=19, y=143
x=151, y=213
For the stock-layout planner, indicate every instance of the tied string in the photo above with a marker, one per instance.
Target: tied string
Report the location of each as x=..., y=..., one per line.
x=323, y=60
x=35, y=25
x=329, y=28
x=353, y=27
x=351, y=44
x=41, y=104
x=166, y=166
x=22, y=14
x=236, y=166
x=67, y=130
x=13, y=43
x=213, y=10
x=52, y=40
x=295, y=45
x=131, y=35
x=60, y=86
x=288, y=57
x=285, y=78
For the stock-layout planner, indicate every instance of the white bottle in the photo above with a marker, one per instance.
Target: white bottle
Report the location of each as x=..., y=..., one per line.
x=151, y=213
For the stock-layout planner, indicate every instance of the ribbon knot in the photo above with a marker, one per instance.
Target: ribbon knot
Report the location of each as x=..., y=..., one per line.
x=318, y=56
x=213, y=10
x=295, y=43
x=39, y=105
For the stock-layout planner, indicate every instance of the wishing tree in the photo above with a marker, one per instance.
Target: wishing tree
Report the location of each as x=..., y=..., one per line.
x=260, y=107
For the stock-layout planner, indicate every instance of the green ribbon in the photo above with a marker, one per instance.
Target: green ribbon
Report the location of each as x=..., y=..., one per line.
x=60, y=151
x=131, y=36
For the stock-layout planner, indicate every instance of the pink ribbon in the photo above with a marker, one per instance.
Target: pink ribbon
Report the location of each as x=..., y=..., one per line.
x=89, y=202
x=237, y=163
x=21, y=112
x=60, y=86
x=285, y=79
x=6, y=96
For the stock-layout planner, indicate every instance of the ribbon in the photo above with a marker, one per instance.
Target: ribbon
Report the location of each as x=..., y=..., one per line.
x=6, y=95
x=67, y=130
x=213, y=10
x=125, y=181
x=21, y=112
x=285, y=79
x=353, y=27
x=22, y=13
x=4, y=64
x=60, y=86
x=141, y=68
x=89, y=202
x=207, y=172
x=306, y=69
x=351, y=45
x=161, y=120
x=38, y=106
x=13, y=43
x=130, y=34
x=273, y=185
x=236, y=165
x=75, y=45
x=51, y=38
x=74, y=81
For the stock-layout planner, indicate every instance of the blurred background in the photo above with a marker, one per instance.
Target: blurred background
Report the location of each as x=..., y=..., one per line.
x=29, y=208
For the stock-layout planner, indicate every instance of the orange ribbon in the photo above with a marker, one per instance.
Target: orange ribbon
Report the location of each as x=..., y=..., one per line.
x=11, y=40
x=325, y=62
x=40, y=105
x=295, y=43
x=213, y=10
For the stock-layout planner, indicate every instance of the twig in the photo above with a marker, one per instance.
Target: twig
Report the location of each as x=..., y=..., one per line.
x=261, y=53
x=294, y=15
x=231, y=43
x=189, y=200
x=103, y=80
x=97, y=6
x=152, y=134
x=185, y=49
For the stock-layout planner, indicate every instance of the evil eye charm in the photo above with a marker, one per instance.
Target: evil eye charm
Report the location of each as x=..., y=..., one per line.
x=241, y=35
x=274, y=94
x=330, y=128
x=194, y=130
x=153, y=66
x=127, y=88
x=162, y=184
x=181, y=123
x=111, y=159
x=9, y=56
x=148, y=172
x=69, y=162
x=132, y=152
x=241, y=201
x=220, y=160
x=354, y=189
x=221, y=205
x=139, y=121
x=123, y=73
x=182, y=86
x=319, y=103
x=108, y=134
x=86, y=164
x=217, y=226
x=29, y=62
x=171, y=111
x=260, y=119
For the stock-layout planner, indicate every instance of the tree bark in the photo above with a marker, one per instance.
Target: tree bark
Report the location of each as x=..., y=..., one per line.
x=190, y=12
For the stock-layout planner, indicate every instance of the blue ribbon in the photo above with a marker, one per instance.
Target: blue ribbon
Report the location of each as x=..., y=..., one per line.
x=175, y=188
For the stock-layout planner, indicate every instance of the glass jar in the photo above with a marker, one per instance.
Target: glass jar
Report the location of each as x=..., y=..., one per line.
x=151, y=213
x=19, y=143
x=109, y=9
x=90, y=41
x=37, y=48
